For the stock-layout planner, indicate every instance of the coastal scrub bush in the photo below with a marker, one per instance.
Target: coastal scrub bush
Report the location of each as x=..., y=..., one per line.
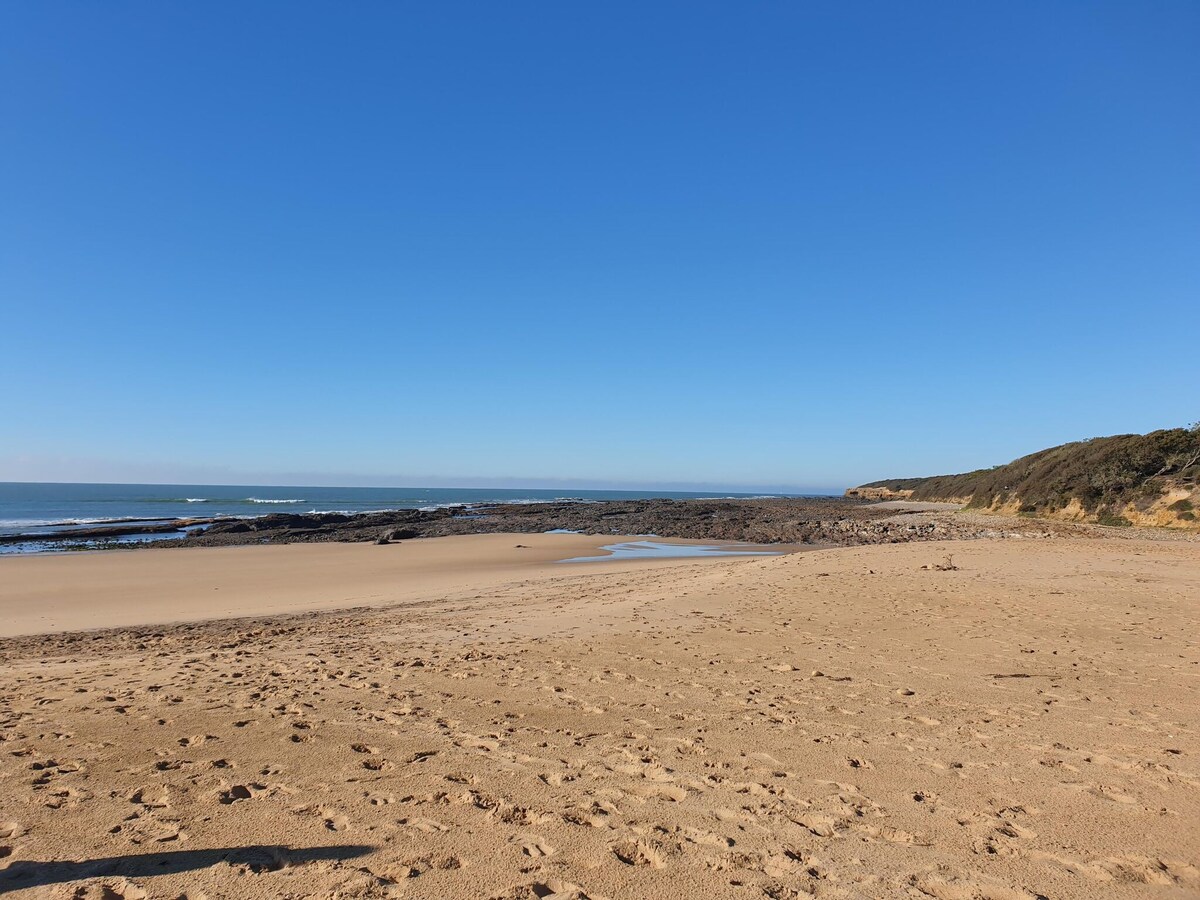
x=1100, y=473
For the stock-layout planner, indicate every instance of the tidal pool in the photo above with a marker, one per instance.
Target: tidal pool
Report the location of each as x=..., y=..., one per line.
x=660, y=550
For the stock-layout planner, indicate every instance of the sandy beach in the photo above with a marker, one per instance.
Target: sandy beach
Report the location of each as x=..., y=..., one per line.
x=472, y=719
x=599, y=452
x=105, y=589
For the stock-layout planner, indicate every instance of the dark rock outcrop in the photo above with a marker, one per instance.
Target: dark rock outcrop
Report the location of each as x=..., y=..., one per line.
x=824, y=521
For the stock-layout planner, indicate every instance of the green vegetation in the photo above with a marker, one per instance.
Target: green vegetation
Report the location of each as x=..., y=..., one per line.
x=1102, y=474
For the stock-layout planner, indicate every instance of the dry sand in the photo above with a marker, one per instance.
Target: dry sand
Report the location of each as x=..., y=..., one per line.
x=842, y=723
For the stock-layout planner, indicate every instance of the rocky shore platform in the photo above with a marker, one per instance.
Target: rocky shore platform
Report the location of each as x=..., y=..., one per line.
x=817, y=521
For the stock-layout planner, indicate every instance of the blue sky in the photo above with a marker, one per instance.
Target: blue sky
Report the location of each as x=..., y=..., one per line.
x=777, y=245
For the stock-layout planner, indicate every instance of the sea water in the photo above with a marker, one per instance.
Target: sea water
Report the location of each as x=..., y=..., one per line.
x=660, y=550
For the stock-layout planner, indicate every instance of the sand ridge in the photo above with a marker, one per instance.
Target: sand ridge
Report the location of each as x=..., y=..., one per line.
x=846, y=723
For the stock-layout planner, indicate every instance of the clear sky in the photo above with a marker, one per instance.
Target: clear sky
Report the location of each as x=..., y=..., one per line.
x=743, y=245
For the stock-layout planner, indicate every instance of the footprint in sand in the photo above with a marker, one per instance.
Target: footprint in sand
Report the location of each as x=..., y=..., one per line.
x=149, y=830
x=956, y=887
x=9, y=832
x=705, y=838
x=667, y=792
x=109, y=890
x=1145, y=870
x=197, y=740
x=241, y=792
x=68, y=797
x=154, y=797
x=419, y=865
x=890, y=834
x=547, y=890
x=639, y=853
x=534, y=846
x=333, y=820
x=427, y=826
x=820, y=825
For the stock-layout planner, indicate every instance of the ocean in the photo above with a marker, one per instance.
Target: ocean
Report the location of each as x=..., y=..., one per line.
x=34, y=509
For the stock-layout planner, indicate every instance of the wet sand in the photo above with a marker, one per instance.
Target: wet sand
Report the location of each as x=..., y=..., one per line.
x=840, y=723
x=77, y=591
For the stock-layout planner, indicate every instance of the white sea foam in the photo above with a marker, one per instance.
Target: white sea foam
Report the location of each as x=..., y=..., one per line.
x=48, y=523
x=741, y=497
x=257, y=500
x=32, y=523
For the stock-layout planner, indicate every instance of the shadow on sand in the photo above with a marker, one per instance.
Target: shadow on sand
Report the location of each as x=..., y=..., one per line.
x=22, y=874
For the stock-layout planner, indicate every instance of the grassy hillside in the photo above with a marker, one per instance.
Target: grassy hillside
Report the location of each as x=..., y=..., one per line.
x=1127, y=478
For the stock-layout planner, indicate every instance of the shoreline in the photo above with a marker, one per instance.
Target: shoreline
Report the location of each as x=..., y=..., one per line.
x=526, y=516
x=61, y=512
x=812, y=520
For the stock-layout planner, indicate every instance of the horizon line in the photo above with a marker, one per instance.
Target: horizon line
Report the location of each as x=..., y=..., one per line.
x=676, y=487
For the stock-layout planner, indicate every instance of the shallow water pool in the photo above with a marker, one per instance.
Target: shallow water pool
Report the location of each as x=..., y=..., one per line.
x=659, y=550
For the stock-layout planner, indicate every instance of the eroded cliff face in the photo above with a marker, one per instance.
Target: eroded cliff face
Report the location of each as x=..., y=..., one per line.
x=1178, y=506
x=1126, y=479
x=876, y=493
